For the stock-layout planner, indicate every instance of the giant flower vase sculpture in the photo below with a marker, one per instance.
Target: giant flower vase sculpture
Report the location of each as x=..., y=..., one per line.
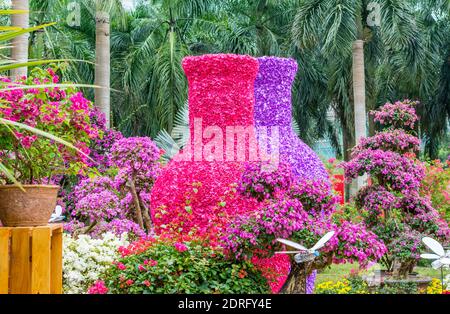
x=196, y=191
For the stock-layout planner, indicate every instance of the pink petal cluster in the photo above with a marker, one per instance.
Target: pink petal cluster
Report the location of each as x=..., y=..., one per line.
x=98, y=287
x=64, y=113
x=180, y=247
x=395, y=140
x=400, y=172
x=398, y=115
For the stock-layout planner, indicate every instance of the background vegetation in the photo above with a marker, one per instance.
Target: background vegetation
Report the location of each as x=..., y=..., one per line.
x=407, y=55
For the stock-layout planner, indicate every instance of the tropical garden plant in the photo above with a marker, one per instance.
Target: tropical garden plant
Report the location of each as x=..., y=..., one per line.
x=303, y=212
x=391, y=205
x=165, y=265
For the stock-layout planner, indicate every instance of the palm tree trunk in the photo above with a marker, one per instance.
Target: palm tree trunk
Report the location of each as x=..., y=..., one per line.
x=19, y=50
x=102, y=65
x=359, y=96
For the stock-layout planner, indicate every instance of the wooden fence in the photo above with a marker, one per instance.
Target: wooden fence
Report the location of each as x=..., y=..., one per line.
x=31, y=259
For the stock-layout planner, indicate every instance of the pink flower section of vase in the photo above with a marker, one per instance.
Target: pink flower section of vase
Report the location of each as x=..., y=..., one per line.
x=189, y=192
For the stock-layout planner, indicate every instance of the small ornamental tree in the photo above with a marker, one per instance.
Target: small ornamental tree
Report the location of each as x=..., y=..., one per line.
x=137, y=160
x=391, y=205
x=303, y=213
x=118, y=202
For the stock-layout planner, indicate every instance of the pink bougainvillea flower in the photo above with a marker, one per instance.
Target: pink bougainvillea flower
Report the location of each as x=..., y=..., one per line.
x=98, y=287
x=180, y=247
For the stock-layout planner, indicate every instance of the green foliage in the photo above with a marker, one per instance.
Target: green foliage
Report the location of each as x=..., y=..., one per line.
x=405, y=57
x=162, y=268
x=436, y=186
x=399, y=288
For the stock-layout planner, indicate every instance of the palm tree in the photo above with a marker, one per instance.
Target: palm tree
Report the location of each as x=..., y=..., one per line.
x=147, y=56
x=338, y=27
x=19, y=50
x=102, y=60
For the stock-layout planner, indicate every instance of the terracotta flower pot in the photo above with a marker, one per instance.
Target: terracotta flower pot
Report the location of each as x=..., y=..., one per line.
x=33, y=207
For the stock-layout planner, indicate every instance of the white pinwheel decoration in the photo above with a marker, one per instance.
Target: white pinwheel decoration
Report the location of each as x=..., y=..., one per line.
x=303, y=254
x=441, y=257
x=56, y=216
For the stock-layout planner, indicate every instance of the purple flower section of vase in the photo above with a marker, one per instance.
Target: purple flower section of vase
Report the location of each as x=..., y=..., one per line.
x=273, y=108
x=310, y=282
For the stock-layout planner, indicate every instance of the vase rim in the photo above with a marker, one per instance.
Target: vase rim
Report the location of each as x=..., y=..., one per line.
x=220, y=63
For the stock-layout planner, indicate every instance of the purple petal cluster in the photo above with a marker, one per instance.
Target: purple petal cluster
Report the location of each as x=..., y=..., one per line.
x=395, y=140
x=389, y=168
x=262, y=180
x=273, y=109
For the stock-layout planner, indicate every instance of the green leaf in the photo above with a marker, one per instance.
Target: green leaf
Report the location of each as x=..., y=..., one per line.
x=44, y=134
x=8, y=174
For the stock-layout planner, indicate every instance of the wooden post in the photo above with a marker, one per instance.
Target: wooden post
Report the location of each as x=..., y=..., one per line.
x=31, y=259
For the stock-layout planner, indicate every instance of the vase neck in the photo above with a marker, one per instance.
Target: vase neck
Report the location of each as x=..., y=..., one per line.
x=273, y=86
x=221, y=89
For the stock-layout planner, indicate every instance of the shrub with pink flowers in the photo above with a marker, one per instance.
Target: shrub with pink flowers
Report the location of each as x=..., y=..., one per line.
x=401, y=173
x=118, y=203
x=64, y=113
x=436, y=185
x=303, y=213
x=391, y=205
x=396, y=140
x=96, y=207
x=162, y=265
x=137, y=160
x=399, y=115
x=263, y=180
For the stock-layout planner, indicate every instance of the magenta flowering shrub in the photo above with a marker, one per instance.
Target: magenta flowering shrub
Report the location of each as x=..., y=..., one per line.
x=304, y=213
x=356, y=242
x=399, y=115
x=263, y=180
x=422, y=217
x=398, y=172
x=95, y=207
x=100, y=149
x=118, y=204
x=314, y=196
x=137, y=159
x=64, y=113
x=375, y=200
x=119, y=226
x=395, y=140
x=407, y=245
x=98, y=206
x=391, y=205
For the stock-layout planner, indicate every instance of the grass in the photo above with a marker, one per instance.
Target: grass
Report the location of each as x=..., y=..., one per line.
x=339, y=271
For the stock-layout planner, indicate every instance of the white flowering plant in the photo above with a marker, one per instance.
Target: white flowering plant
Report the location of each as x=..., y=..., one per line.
x=84, y=258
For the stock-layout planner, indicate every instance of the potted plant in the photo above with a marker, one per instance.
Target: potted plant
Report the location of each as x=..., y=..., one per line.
x=38, y=125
